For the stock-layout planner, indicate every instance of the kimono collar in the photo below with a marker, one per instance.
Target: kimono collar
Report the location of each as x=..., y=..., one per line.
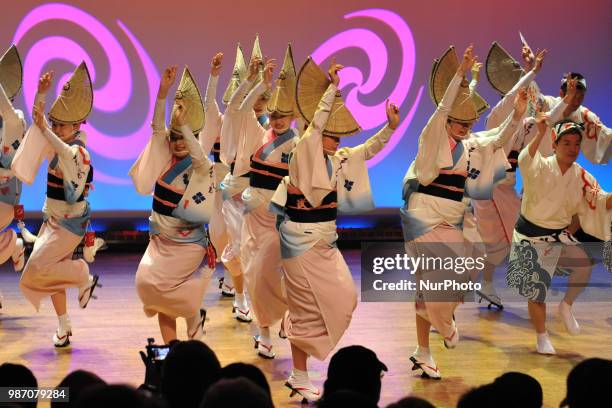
x=452, y=143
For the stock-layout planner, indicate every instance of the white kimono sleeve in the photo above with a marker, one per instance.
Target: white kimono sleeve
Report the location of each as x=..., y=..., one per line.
x=595, y=219
x=434, y=152
x=155, y=156
x=199, y=160
x=504, y=107
x=528, y=130
x=212, y=116
x=373, y=145
x=32, y=151
x=597, y=138
x=251, y=134
x=232, y=123
x=308, y=164
x=487, y=160
x=530, y=166
x=352, y=178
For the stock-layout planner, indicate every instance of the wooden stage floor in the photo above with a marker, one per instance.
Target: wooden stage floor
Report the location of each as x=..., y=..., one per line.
x=109, y=333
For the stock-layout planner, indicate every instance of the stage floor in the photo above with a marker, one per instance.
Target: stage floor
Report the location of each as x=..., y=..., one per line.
x=109, y=333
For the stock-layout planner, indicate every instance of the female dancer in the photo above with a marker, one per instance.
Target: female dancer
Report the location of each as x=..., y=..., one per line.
x=322, y=180
x=451, y=162
x=169, y=280
x=50, y=269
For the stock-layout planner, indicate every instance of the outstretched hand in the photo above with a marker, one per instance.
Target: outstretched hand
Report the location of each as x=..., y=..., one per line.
x=215, y=64
x=539, y=59
x=167, y=80
x=468, y=61
x=254, y=68
x=393, y=117
x=333, y=72
x=268, y=71
x=528, y=57
x=572, y=88
x=541, y=121
x=44, y=83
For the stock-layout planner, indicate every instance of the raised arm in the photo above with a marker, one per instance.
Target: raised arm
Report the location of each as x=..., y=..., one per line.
x=159, y=112
x=38, y=116
x=237, y=97
x=434, y=152
x=210, y=102
x=308, y=163
x=475, y=77
x=213, y=120
x=377, y=142
x=502, y=110
x=509, y=127
x=319, y=119
x=211, y=108
x=61, y=148
x=542, y=126
x=265, y=85
x=198, y=156
x=73, y=160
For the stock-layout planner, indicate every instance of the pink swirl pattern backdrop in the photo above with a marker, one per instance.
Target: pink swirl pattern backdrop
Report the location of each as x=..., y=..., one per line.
x=377, y=42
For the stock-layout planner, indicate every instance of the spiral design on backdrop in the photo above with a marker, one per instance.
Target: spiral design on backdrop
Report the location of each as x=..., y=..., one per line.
x=368, y=42
x=110, y=97
x=114, y=94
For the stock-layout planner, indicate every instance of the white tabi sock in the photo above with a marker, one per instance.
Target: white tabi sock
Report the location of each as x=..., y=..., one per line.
x=301, y=377
x=240, y=301
x=64, y=323
x=544, y=345
x=264, y=332
x=423, y=352
x=572, y=326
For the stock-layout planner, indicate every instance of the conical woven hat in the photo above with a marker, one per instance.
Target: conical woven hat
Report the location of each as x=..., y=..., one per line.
x=74, y=103
x=189, y=94
x=466, y=107
x=257, y=53
x=311, y=85
x=503, y=71
x=11, y=72
x=283, y=96
x=238, y=75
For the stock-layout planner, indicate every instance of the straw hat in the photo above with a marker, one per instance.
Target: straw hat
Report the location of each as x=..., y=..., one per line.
x=11, y=72
x=189, y=94
x=503, y=71
x=283, y=96
x=257, y=53
x=311, y=85
x=239, y=74
x=466, y=107
x=74, y=103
